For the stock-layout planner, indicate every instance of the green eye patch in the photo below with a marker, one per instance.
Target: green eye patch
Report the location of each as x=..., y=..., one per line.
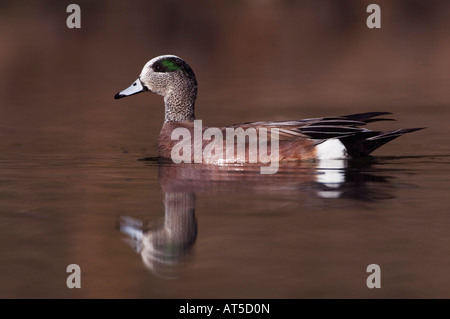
x=166, y=65
x=170, y=66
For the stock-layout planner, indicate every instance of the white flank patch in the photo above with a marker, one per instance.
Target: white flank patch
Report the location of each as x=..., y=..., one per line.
x=331, y=149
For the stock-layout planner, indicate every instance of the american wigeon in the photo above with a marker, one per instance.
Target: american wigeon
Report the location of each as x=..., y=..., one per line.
x=315, y=138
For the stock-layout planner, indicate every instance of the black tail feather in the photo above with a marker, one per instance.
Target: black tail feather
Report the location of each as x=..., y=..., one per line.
x=395, y=133
x=364, y=143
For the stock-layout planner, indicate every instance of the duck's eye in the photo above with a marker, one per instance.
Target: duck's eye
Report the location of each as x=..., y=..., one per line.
x=157, y=67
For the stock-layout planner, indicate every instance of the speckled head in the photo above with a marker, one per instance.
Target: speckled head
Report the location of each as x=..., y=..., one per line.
x=171, y=77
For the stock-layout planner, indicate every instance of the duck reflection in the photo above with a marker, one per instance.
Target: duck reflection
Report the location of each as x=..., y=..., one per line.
x=164, y=248
x=352, y=179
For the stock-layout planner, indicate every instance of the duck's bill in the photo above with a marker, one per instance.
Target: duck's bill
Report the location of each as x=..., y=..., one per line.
x=134, y=88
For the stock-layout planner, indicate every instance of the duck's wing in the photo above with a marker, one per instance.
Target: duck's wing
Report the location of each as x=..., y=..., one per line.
x=359, y=141
x=319, y=129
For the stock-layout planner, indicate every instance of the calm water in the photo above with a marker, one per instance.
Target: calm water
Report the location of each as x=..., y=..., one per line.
x=220, y=232
x=80, y=182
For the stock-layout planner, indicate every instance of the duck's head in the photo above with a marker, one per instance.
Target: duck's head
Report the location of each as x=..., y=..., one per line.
x=171, y=77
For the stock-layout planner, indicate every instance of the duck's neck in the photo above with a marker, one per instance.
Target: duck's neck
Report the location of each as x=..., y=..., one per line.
x=179, y=105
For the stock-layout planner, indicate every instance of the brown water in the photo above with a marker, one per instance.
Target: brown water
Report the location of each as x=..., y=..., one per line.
x=78, y=169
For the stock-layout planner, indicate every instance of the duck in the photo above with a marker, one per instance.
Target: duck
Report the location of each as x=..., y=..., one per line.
x=331, y=137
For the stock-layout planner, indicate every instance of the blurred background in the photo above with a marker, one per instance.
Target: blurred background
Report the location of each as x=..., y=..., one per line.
x=69, y=151
x=254, y=60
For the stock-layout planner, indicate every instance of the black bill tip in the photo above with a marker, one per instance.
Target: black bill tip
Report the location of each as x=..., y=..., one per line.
x=118, y=96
